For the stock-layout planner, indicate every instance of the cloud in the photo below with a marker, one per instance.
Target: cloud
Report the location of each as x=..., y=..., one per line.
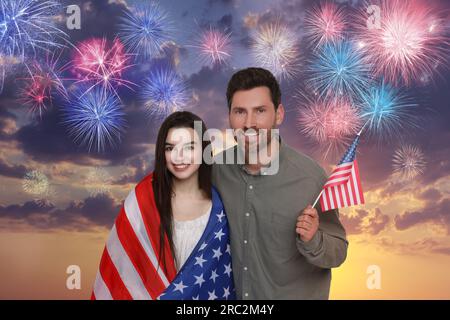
x=436, y=212
x=13, y=171
x=365, y=222
x=100, y=210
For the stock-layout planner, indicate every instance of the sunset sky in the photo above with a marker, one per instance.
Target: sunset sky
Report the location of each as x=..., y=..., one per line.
x=403, y=228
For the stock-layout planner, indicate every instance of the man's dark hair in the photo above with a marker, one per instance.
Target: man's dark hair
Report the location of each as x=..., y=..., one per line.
x=250, y=78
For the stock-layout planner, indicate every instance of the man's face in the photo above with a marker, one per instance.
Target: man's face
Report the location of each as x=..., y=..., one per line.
x=252, y=110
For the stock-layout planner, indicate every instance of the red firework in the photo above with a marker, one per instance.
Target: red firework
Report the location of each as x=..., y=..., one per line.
x=43, y=83
x=329, y=122
x=325, y=23
x=102, y=62
x=407, y=42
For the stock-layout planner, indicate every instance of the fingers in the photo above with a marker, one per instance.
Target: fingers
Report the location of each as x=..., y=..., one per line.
x=302, y=231
x=304, y=224
x=310, y=212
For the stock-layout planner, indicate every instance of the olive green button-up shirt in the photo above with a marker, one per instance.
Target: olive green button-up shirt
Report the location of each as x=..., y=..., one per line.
x=270, y=261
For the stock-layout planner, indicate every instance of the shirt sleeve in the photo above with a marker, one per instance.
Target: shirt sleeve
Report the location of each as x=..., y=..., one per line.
x=328, y=248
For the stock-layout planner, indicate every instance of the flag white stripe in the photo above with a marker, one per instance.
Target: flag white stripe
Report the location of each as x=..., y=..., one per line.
x=331, y=198
x=336, y=180
x=352, y=201
x=344, y=195
x=340, y=172
x=101, y=291
x=134, y=215
x=125, y=267
x=344, y=165
x=338, y=198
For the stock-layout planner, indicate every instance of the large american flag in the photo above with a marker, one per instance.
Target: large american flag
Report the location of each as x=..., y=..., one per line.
x=130, y=268
x=343, y=187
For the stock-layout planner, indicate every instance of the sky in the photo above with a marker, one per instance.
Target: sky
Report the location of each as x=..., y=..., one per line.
x=59, y=199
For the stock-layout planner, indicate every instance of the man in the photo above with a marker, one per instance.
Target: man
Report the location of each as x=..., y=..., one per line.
x=281, y=247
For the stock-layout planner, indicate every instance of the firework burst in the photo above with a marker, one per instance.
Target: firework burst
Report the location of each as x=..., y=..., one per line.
x=95, y=119
x=145, y=29
x=98, y=181
x=329, y=122
x=44, y=82
x=99, y=62
x=214, y=47
x=275, y=48
x=386, y=111
x=408, y=162
x=164, y=92
x=36, y=183
x=325, y=23
x=27, y=26
x=410, y=41
x=339, y=69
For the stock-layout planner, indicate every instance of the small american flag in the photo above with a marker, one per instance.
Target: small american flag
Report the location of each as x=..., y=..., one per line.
x=343, y=187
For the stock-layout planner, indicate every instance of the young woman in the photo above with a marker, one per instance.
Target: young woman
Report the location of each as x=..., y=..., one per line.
x=171, y=239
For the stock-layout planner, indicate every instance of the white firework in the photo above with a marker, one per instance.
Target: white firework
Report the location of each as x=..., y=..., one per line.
x=98, y=181
x=36, y=183
x=408, y=162
x=275, y=48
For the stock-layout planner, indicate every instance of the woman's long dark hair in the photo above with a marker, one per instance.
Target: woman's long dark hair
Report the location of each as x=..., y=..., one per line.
x=162, y=178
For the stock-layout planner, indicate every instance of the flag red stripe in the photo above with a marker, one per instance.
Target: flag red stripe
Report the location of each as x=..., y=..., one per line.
x=341, y=198
x=333, y=197
x=112, y=278
x=347, y=196
x=361, y=194
x=343, y=168
x=152, y=222
x=327, y=192
x=138, y=257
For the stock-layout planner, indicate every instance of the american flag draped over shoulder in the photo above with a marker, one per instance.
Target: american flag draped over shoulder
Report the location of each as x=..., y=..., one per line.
x=129, y=267
x=343, y=187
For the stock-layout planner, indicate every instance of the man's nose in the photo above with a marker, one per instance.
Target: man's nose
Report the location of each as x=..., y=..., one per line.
x=250, y=121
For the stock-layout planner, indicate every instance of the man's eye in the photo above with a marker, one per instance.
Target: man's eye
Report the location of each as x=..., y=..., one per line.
x=261, y=110
x=238, y=111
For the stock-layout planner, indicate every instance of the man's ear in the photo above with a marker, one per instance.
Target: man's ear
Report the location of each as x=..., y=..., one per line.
x=279, y=116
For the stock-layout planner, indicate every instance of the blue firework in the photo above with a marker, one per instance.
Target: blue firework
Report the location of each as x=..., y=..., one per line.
x=27, y=26
x=164, y=92
x=95, y=119
x=145, y=29
x=339, y=69
x=386, y=111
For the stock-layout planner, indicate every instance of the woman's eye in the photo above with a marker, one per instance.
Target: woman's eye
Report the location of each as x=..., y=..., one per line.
x=169, y=148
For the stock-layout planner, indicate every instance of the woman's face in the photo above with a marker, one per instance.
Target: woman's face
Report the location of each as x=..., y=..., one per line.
x=183, y=150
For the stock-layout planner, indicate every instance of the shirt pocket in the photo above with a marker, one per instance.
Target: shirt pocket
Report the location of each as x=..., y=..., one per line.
x=281, y=236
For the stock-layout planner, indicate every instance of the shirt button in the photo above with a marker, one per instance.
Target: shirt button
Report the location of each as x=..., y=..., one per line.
x=246, y=294
x=247, y=214
x=245, y=268
x=245, y=241
x=250, y=187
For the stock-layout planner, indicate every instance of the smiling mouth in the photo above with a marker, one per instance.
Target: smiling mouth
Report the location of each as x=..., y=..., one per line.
x=180, y=166
x=250, y=133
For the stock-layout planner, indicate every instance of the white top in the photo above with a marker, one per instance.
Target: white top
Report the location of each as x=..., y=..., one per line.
x=186, y=235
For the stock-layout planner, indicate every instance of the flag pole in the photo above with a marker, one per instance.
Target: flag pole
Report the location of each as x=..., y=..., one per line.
x=320, y=194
